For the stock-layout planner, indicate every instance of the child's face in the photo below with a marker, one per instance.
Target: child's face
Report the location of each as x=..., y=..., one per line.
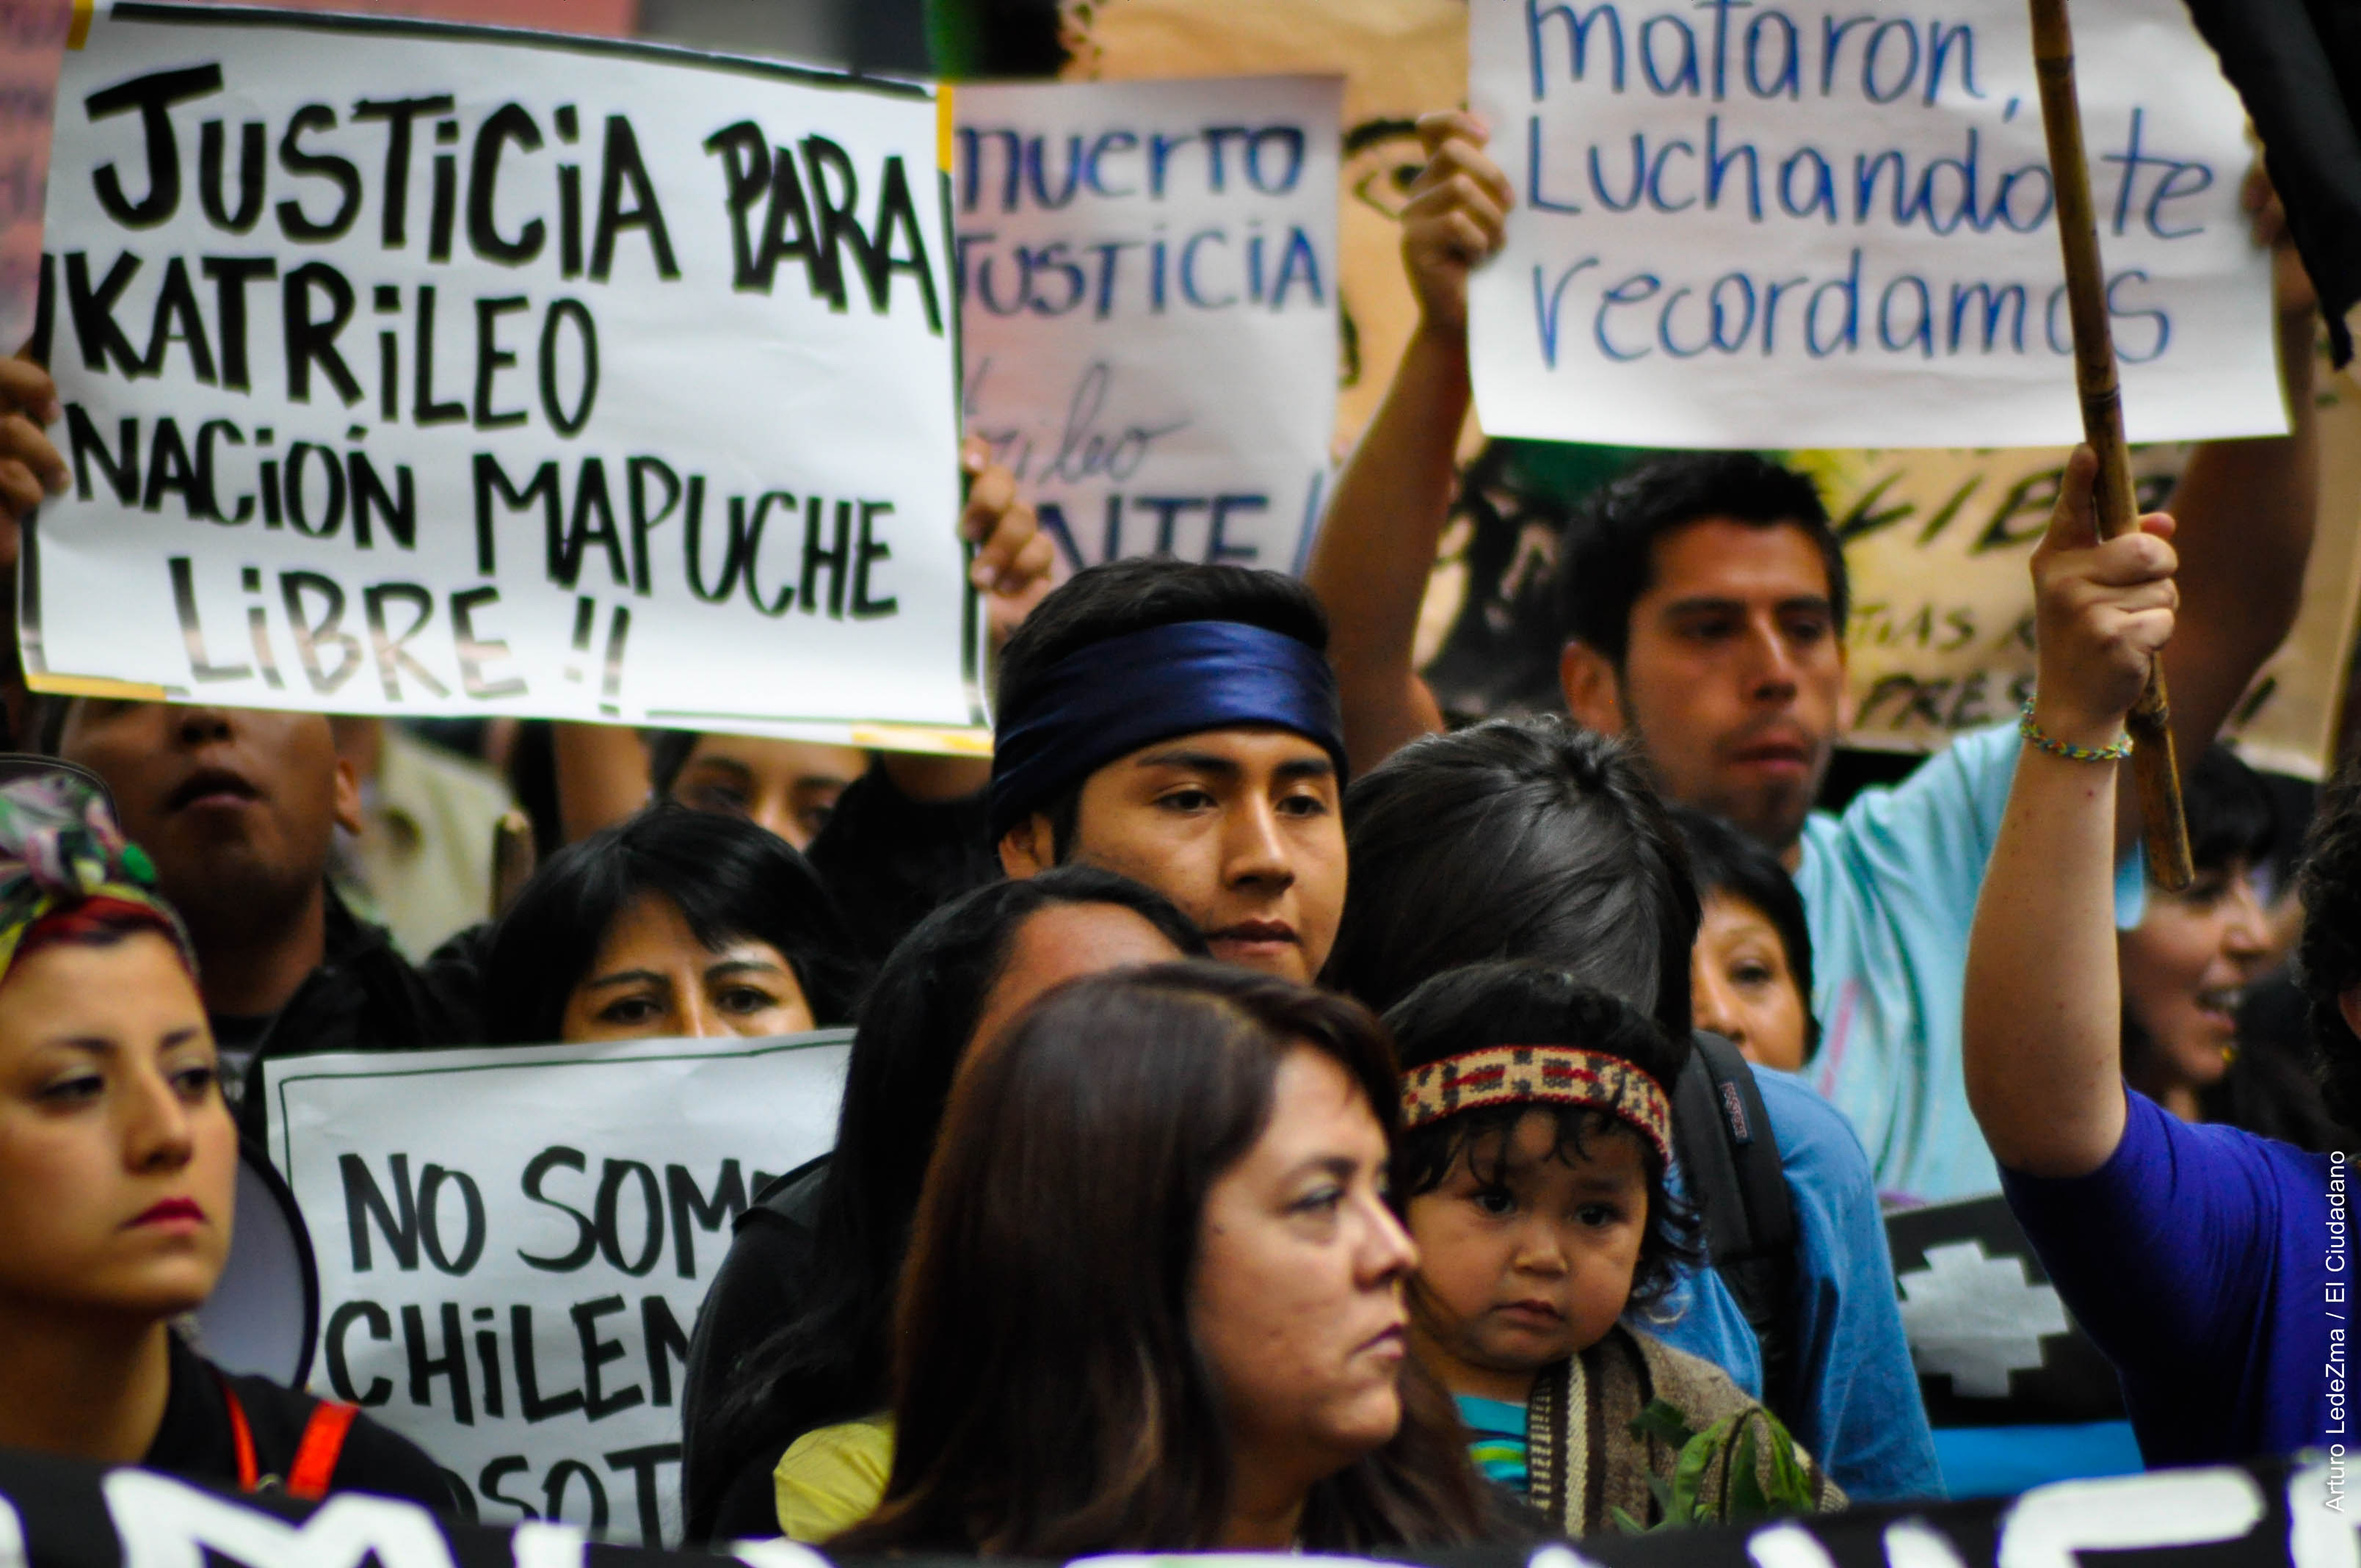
x=1525, y=1258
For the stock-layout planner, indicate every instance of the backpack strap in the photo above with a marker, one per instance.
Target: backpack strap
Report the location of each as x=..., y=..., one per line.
x=323, y=1445
x=1730, y=1158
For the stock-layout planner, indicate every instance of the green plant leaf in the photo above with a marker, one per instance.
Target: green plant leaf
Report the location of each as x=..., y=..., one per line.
x=1747, y=1503
x=1663, y=1421
x=1697, y=1456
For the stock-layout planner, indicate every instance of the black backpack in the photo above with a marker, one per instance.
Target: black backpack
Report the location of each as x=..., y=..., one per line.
x=1729, y=1159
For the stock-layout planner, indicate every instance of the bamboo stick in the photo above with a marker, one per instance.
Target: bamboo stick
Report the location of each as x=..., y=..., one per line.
x=2155, y=769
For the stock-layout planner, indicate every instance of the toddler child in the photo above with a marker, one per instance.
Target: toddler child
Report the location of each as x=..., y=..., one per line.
x=1536, y=1133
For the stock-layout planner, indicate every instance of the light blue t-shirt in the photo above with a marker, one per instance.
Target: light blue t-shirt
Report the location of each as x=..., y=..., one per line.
x=1863, y=1417
x=1890, y=892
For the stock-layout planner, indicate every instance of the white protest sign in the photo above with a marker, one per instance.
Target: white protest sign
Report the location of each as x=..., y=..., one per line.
x=421, y=369
x=1148, y=300
x=513, y=1245
x=1821, y=224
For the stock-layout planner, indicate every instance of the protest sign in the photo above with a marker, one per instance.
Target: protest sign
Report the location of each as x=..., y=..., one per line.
x=513, y=1244
x=1812, y=225
x=1148, y=284
x=419, y=369
x=1939, y=546
x=1398, y=58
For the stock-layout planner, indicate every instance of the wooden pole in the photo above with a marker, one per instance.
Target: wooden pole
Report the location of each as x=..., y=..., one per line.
x=2155, y=769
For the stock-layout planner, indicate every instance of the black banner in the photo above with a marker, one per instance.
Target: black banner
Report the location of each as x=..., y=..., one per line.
x=71, y=1515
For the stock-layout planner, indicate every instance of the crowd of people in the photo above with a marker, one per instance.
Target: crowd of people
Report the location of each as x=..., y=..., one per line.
x=1274, y=1119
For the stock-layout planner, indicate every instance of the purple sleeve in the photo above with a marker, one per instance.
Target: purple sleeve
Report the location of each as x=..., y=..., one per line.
x=2165, y=1251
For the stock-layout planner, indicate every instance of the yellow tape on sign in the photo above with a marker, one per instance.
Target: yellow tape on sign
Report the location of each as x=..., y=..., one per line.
x=94, y=685
x=943, y=123
x=78, y=33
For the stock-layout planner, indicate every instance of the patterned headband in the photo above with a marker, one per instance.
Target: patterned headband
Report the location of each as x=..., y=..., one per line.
x=1555, y=1075
x=58, y=847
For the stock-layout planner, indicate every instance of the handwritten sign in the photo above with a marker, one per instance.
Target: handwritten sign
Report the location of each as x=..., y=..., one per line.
x=1749, y=224
x=513, y=1245
x=1940, y=542
x=1149, y=278
x=412, y=369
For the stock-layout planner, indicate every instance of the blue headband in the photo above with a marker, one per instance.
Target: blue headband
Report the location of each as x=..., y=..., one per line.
x=1112, y=697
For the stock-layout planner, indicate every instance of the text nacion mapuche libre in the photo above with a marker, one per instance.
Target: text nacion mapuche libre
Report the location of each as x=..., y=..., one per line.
x=1735, y=61
x=509, y=359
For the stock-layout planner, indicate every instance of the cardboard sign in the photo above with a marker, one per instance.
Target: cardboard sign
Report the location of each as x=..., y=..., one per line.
x=513, y=1245
x=1150, y=283
x=1939, y=546
x=1821, y=225
x=419, y=369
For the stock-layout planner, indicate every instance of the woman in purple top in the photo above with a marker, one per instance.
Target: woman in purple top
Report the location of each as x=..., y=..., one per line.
x=2210, y=1264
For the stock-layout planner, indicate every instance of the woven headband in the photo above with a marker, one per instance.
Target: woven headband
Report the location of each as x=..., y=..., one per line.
x=1552, y=1075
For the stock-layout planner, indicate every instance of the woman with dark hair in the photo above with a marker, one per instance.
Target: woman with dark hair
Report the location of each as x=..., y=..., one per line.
x=1154, y=1300
x=794, y=1334
x=1531, y=840
x=118, y=1179
x=1750, y=971
x=2186, y=964
x=672, y=923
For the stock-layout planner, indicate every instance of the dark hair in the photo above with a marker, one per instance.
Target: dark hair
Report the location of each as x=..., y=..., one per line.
x=1516, y=839
x=2328, y=955
x=1124, y=596
x=1738, y=865
x=729, y=878
x=1533, y=1004
x=831, y=1362
x=98, y=922
x=668, y=752
x=1609, y=553
x=1051, y=1399
x=2229, y=810
x=2231, y=818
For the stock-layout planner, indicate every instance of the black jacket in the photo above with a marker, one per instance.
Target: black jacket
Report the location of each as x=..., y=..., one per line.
x=763, y=1283
x=365, y=996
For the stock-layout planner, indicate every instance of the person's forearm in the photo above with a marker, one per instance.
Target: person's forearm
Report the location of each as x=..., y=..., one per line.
x=1376, y=548
x=2246, y=511
x=602, y=775
x=2042, y=1024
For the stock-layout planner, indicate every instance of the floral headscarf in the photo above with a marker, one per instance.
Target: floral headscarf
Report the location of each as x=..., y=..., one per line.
x=59, y=847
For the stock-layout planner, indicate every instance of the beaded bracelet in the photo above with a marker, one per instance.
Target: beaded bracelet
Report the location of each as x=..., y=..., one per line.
x=2041, y=740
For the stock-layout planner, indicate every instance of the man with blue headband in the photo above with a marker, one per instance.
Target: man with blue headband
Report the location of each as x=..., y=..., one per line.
x=1178, y=723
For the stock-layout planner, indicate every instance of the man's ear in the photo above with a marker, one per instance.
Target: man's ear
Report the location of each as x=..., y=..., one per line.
x=2348, y=1003
x=1029, y=849
x=1594, y=693
x=348, y=797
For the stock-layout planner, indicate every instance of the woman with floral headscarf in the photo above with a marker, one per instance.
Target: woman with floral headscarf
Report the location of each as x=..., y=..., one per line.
x=118, y=1165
